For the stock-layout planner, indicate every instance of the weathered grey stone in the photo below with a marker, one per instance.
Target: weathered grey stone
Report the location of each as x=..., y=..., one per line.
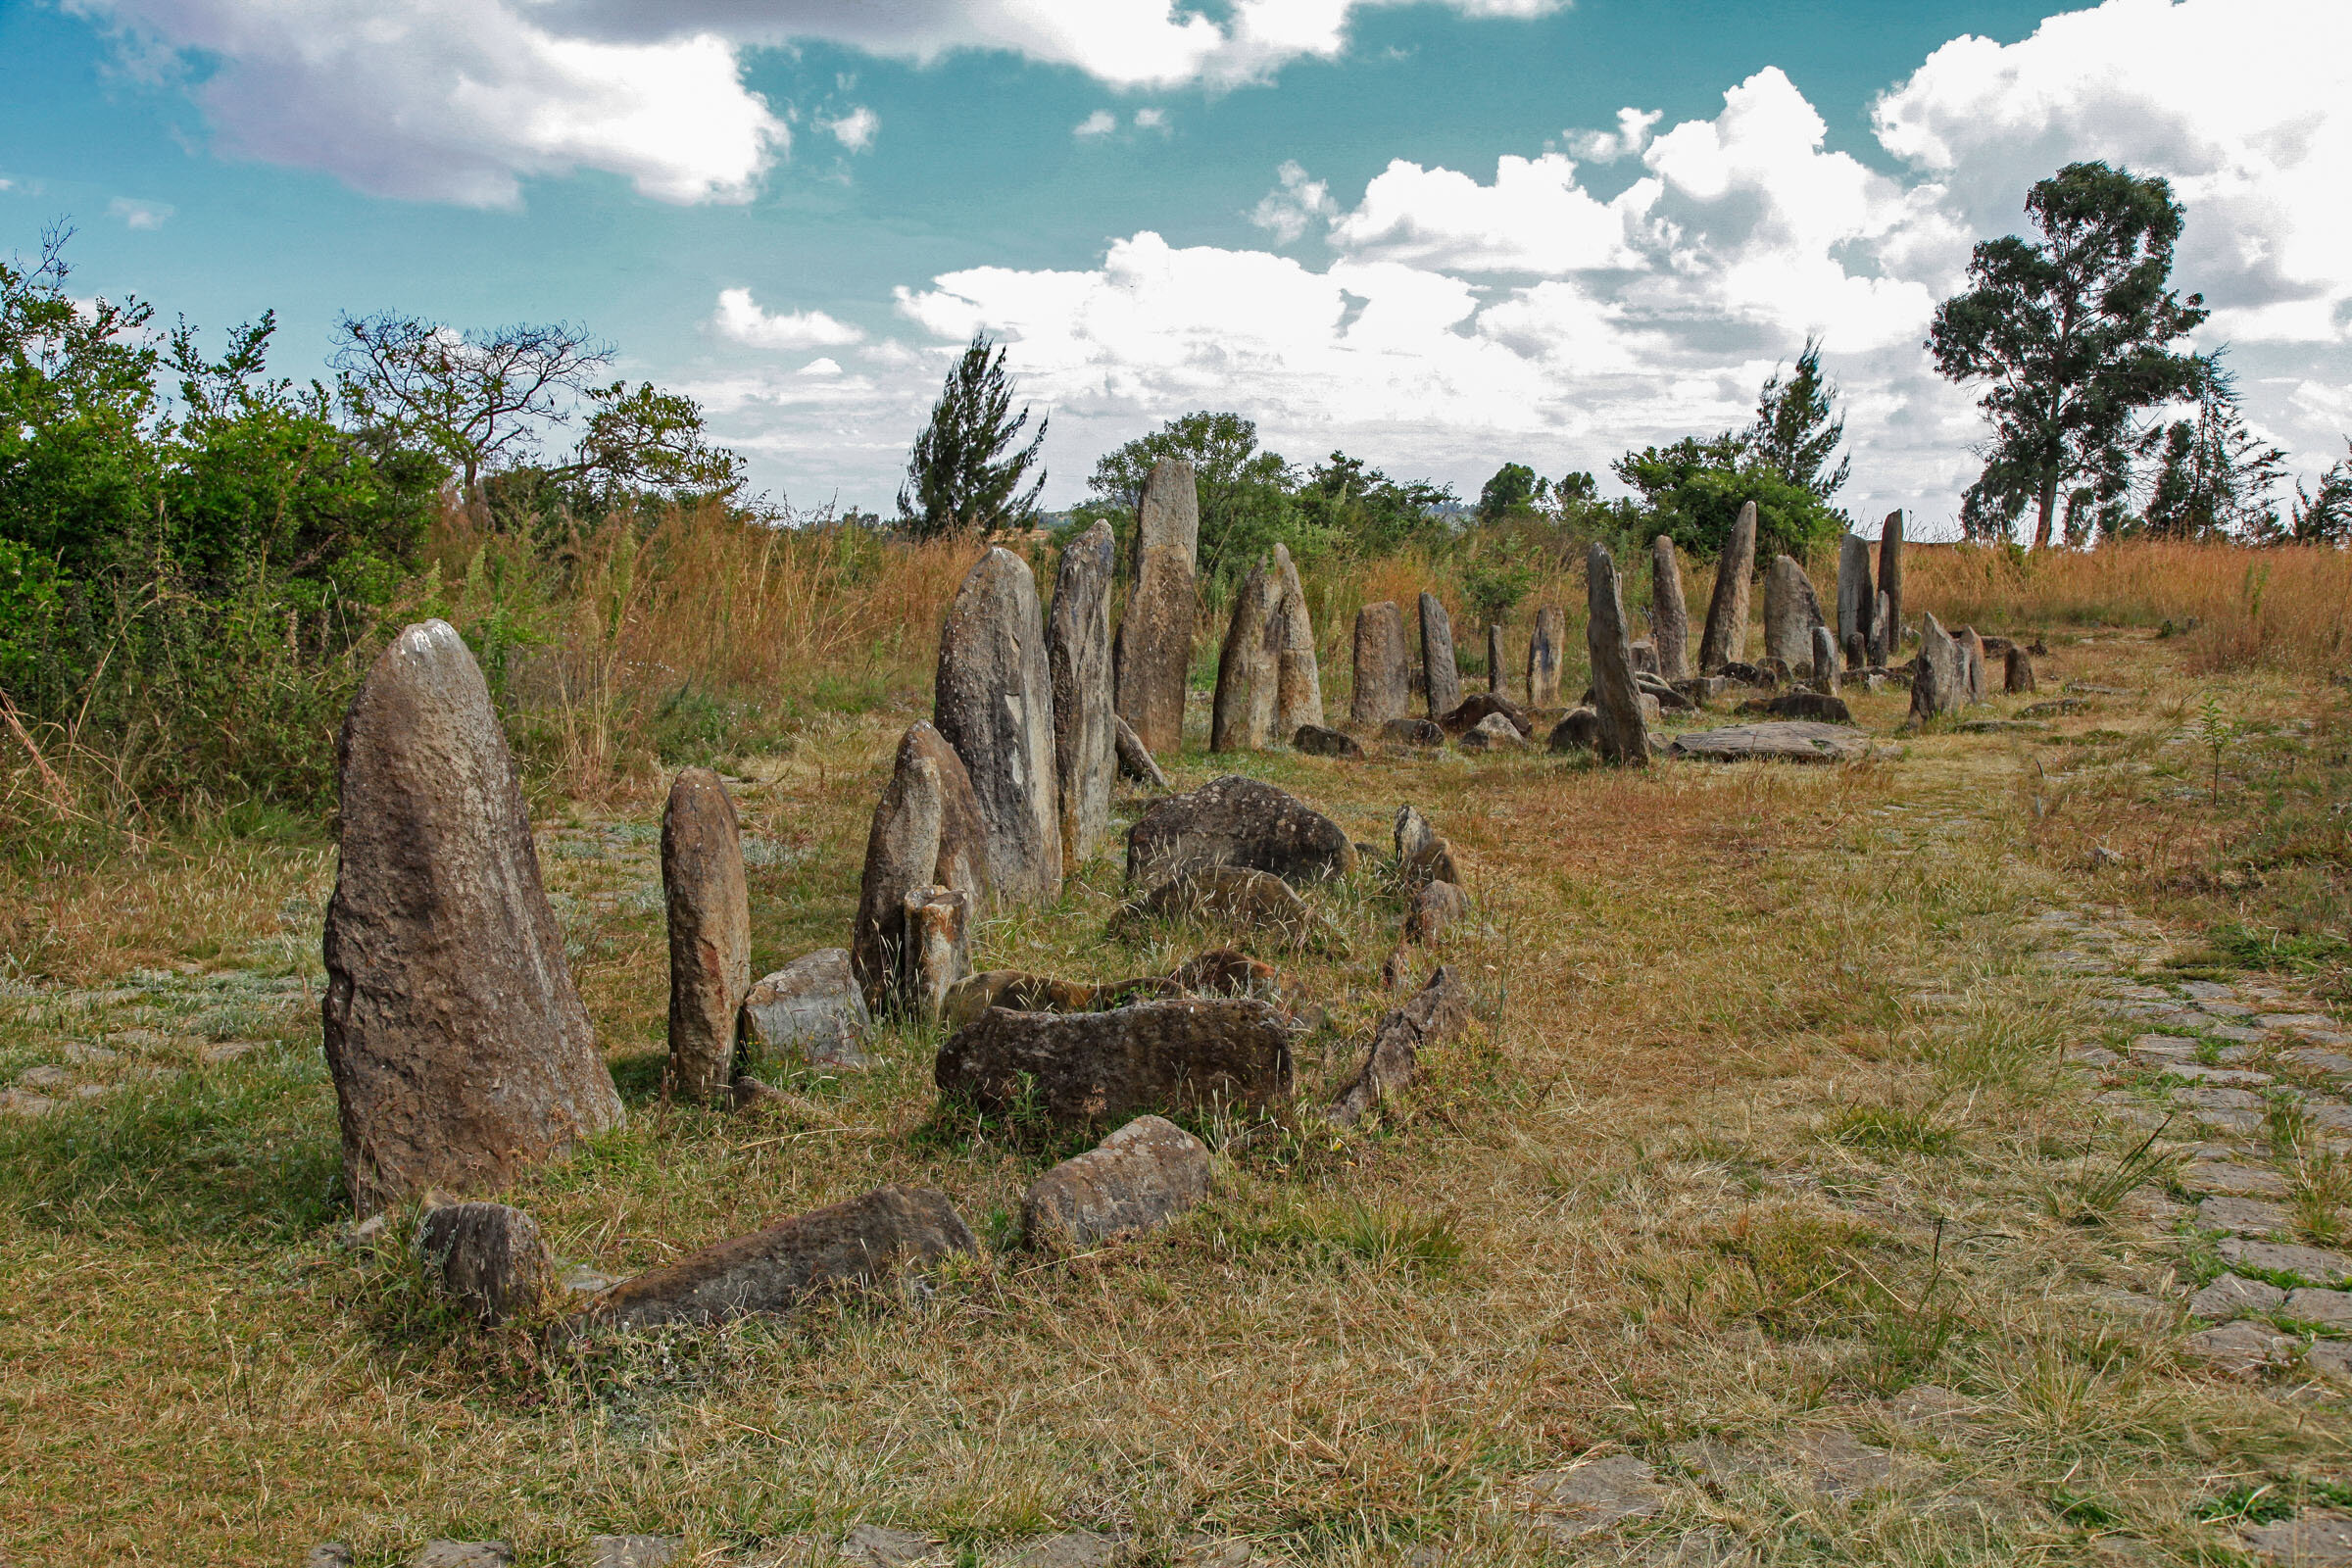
x=1890, y=577
x=1435, y=906
x=1433, y=1017
x=813, y=1011
x=1478, y=707
x=1422, y=854
x=1155, y=653
x=634, y=1551
x=1972, y=651
x=1624, y=736
x=462, y=1554
x=1579, y=730
x=486, y=1257
x=872, y=1545
x=331, y=1555
x=1078, y=662
x=1138, y=1179
x=1178, y=1054
x=1786, y=741
x=1669, y=618
x=1233, y=896
x=854, y=1244
x=1493, y=733
x=1825, y=660
x=2329, y=1310
x=460, y=1053
x=1590, y=1498
x=1495, y=681
x=2243, y=1216
x=1248, y=665
x=1646, y=656
x=1787, y=620
x=709, y=916
x=1817, y=707
x=1382, y=667
x=1881, y=632
x=1543, y=656
x=1701, y=690
x=2241, y=1350
x=1237, y=821
x=1667, y=697
x=1857, y=595
x=1136, y=762
x=2315, y=1264
x=1298, y=682
x=2230, y=1297
x=1939, y=676
x=1413, y=732
x=1316, y=741
x=1070, y=1549
x=926, y=832
x=2017, y=671
x=1442, y=681
x=1726, y=636
x=994, y=704
x=938, y=950
x=2314, y=1537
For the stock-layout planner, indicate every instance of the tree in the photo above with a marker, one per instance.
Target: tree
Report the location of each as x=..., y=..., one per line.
x=2325, y=518
x=1514, y=488
x=2216, y=477
x=1797, y=427
x=2075, y=335
x=1369, y=512
x=1693, y=491
x=1244, y=491
x=965, y=472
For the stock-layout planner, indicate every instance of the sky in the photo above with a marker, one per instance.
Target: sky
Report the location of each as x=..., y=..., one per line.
x=1440, y=237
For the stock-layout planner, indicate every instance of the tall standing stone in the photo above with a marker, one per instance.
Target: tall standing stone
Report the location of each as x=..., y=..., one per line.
x=1725, y=637
x=709, y=911
x=1972, y=651
x=1624, y=737
x=1078, y=659
x=1543, y=656
x=1788, y=613
x=1881, y=632
x=1857, y=597
x=1495, y=679
x=1154, y=655
x=1243, y=717
x=460, y=1050
x=1890, y=577
x=1939, y=674
x=1669, y=618
x=994, y=703
x=1298, y=682
x=926, y=831
x=1383, y=666
x=1444, y=682
x=1824, y=660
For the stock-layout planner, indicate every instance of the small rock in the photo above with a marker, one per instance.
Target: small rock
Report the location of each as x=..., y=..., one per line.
x=1927, y=1405
x=462, y=1554
x=1479, y=706
x=2225, y=1176
x=2099, y=1056
x=45, y=1077
x=487, y=1258
x=880, y=1547
x=1422, y=854
x=331, y=1555
x=1590, y=1498
x=2164, y=1047
x=1492, y=733
x=2312, y=1537
x=1139, y=1178
x=1435, y=907
x=633, y=1552
x=1177, y=1055
x=2332, y=1358
x=2230, y=1296
x=2296, y=1020
x=2329, y=1310
x=2218, y=1099
x=1413, y=732
x=228, y=1050
x=364, y=1233
x=1316, y=740
x=19, y=1103
x=1072, y=1548
x=1433, y=1017
x=2271, y=1257
x=2241, y=1350
x=2246, y=1216
x=813, y=1011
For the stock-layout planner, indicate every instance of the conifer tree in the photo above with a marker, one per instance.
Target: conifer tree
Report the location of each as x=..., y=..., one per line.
x=965, y=474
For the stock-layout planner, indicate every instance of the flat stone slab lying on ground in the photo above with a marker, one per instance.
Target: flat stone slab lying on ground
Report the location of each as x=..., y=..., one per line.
x=633, y=1552
x=2230, y=1296
x=2311, y=1538
x=1232, y=896
x=2241, y=1350
x=1588, y=1498
x=2313, y=1263
x=1834, y=1463
x=2244, y=1216
x=1182, y=1054
x=1139, y=1178
x=1317, y=740
x=2227, y=1176
x=1813, y=707
x=1785, y=741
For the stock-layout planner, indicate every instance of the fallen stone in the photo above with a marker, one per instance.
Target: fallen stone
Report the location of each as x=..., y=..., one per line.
x=1814, y=707
x=1479, y=706
x=2312, y=1537
x=1668, y=698
x=709, y=918
x=1669, y=619
x=809, y=1010
x=2309, y=1263
x=1591, y=1497
x=1078, y=665
x=2330, y=1311
x=1788, y=741
x=1579, y=730
x=856, y=1244
x=1436, y=906
x=2243, y=1216
x=1998, y=726
x=1412, y=732
x=2230, y=1296
x=486, y=1257
x=2227, y=1177
x=1493, y=733
x=1316, y=741
x=462, y=1554
x=1433, y=1017
x=1180, y=1055
x=1543, y=656
x=1233, y=896
x=2241, y=1350
x=1422, y=854
x=331, y=1555
x=1740, y=674
x=1028, y=992
x=1726, y=633
x=1135, y=763
x=994, y=704
x=1154, y=656
x=1241, y=822
x=2054, y=707
x=1382, y=667
x=460, y=1053
x=2329, y=1358
x=1139, y=1178
x=1072, y=1548
x=880, y=1547
x=634, y=1551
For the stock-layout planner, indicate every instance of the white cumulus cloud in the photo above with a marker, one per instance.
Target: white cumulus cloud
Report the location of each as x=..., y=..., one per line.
x=134, y=213
x=1102, y=123
x=740, y=320
x=856, y=129
x=1295, y=201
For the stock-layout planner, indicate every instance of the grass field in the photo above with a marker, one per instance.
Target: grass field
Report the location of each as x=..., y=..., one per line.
x=1764, y=1154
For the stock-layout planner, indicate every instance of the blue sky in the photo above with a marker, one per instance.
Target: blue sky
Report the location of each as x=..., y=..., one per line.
x=797, y=209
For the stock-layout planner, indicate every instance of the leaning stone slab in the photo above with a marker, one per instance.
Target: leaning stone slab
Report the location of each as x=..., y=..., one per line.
x=813, y=1011
x=1972, y=653
x=1382, y=667
x=1435, y=1016
x=1813, y=706
x=1726, y=635
x=1181, y=1054
x=1136, y=762
x=486, y=1257
x=1155, y=653
x=1543, y=656
x=1138, y=1179
x=1422, y=853
x=856, y=1244
x=994, y=703
x=1231, y=896
x=1441, y=680
x=461, y=1054
x=1237, y=821
x=709, y=917
x=1078, y=663
x=1786, y=741
x=926, y=832
x=1316, y=741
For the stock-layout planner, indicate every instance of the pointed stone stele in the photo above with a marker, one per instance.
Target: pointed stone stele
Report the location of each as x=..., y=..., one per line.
x=1495, y=677
x=709, y=906
x=1669, y=616
x=1939, y=674
x=993, y=705
x=1726, y=638
x=1543, y=656
x=1435, y=1016
x=1078, y=662
x=1442, y=681
x=1298, y=681
x=1788, y=618
x=460, y=1053
x=926, y=832
x=1383, y=666
x=1155, y=653
x=1624, y=737
x=1248, y=667
x=1824, y=660
x=1881, y=632
x=1890, y=578
x=1857, y=596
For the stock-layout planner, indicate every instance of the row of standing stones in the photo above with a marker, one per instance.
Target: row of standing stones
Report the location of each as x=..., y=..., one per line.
x=462, y=1054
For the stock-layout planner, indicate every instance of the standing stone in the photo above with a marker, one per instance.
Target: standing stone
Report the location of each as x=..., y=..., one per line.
x=487, y=1258
x=1725, y=637
x=1543, y=656
x=1890, y=577
x=938, y=951
x=1298, y=681
x=994, y=704
x=1243, y=713
x=2017, y=670
x=709, y=911
x=460, y=1053
x=1971, y=649
x=1787, y=613
x=1495, y=680
x=926, y=831
x=1382, y=667
x=1442, y=681
x=1078, y=660
x=1154, y=655
x=1857, y=599
x=1825, y=661
x=1939, y=676
x=1669, y=618
x=1882, y=633
x=1624, y=737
